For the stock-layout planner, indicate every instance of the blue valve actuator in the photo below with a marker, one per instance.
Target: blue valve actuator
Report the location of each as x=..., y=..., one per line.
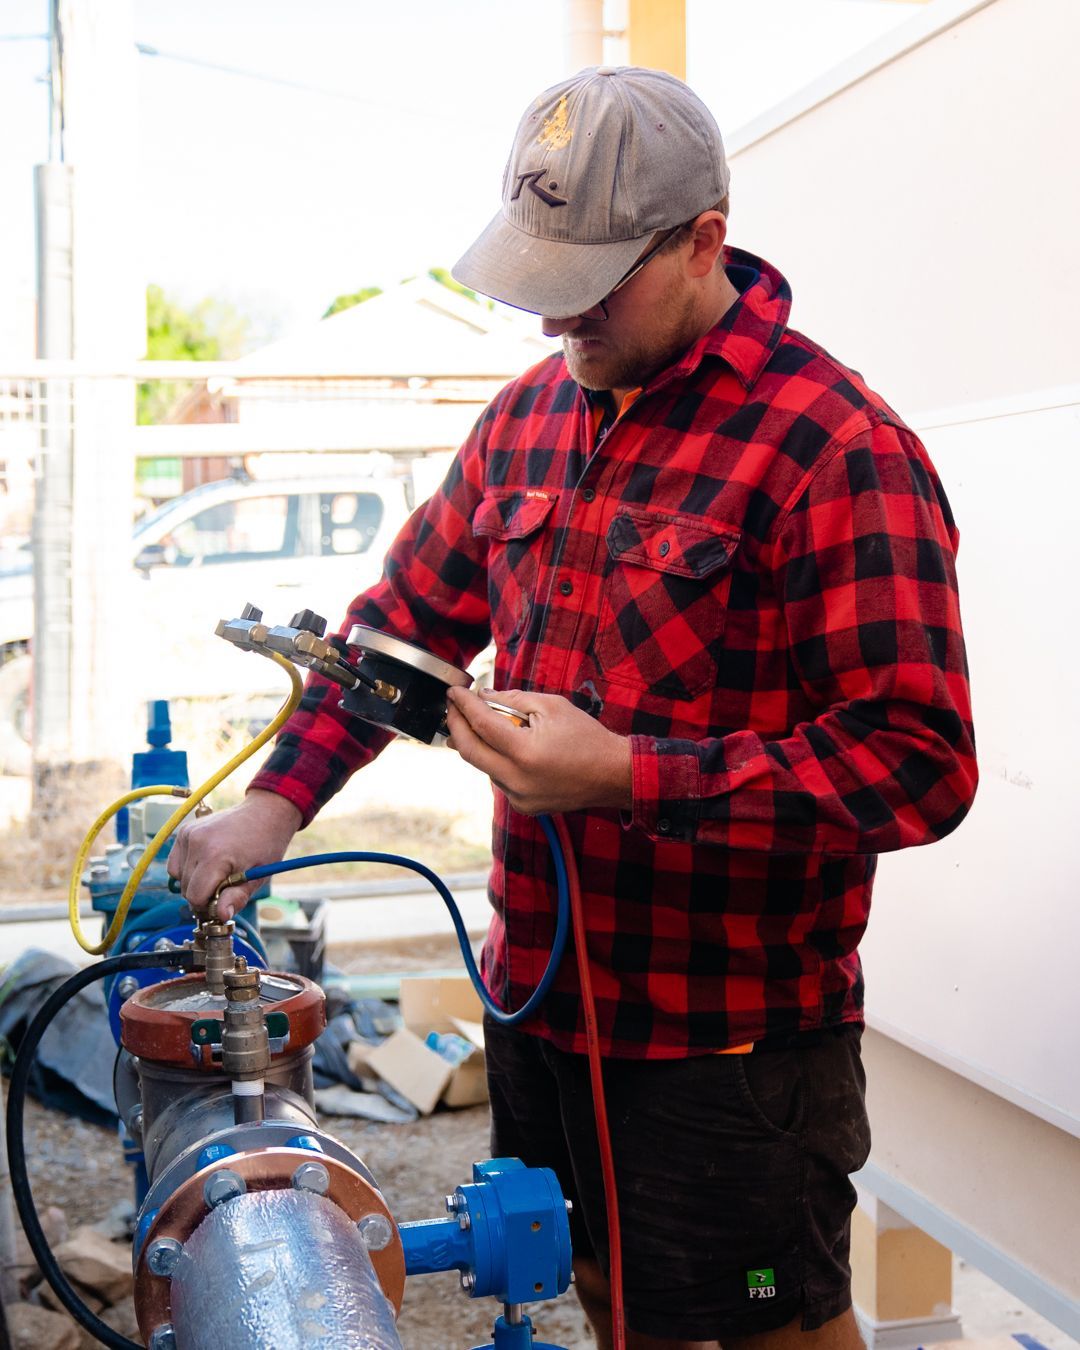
x=509, y=1230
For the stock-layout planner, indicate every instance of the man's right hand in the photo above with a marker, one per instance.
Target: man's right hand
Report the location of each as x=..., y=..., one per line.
x=206, y=851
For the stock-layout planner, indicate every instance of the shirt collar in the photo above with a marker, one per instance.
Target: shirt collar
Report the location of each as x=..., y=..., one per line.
x=751, y=330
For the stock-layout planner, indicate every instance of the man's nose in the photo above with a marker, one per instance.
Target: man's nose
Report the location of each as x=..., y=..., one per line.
x=557, y=327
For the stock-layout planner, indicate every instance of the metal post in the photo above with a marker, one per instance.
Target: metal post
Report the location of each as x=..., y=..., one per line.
x=51, y=531
x=90, y=306
x=583, y=33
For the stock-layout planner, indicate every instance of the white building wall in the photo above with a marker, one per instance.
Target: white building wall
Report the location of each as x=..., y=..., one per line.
x=926, y=214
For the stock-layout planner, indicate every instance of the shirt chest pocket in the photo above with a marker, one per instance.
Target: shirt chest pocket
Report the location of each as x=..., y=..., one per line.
x=513, y=523
x=667, y=579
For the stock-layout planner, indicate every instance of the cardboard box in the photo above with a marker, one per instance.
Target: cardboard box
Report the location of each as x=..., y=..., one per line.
x=468, y=1083
x=407, y=1064
x=430, y=1003
x=447, y=1004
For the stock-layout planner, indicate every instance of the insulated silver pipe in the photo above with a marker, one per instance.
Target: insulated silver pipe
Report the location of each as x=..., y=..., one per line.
x=281, y=1268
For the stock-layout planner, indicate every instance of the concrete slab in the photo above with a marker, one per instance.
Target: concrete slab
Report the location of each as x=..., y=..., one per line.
x=387, y=918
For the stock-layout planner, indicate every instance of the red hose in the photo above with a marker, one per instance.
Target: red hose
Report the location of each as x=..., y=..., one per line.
x=603, y=1134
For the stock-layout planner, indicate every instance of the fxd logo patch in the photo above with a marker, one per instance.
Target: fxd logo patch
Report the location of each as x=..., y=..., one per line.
x=761, y=1283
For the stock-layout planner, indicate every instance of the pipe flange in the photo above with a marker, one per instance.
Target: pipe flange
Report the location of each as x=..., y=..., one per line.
x=266, y=1170
x=238, y=1139
x=157, y=1023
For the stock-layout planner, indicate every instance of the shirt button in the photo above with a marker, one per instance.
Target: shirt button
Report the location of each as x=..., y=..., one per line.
x=589, y=495
x=665, y=549
x=566, y=588
x=663, y=826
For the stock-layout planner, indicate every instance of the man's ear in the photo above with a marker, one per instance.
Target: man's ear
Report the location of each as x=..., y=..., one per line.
x=710, y=231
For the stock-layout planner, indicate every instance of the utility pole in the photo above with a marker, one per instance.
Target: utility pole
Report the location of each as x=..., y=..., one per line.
x=90, y=311
x=51, y=530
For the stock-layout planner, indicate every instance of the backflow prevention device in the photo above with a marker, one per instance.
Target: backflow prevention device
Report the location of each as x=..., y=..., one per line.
x=259, y=1229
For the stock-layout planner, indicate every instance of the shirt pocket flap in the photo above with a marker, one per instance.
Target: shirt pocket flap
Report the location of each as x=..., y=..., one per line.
x=512, y=515
x=684, y=546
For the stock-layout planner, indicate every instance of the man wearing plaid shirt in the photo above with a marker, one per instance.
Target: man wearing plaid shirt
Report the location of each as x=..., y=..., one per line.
x=719, y=572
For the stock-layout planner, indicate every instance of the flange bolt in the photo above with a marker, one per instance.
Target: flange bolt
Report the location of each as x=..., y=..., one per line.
x=163, y=1256
x=163, y=1337
x=376, y=1232
x=222, y=1186
x=128, y=985
x=311, y=1176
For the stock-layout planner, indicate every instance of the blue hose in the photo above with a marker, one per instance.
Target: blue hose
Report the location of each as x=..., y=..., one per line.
x=562, y=920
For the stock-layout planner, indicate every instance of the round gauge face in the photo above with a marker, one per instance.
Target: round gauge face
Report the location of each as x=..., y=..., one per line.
x=407, y=653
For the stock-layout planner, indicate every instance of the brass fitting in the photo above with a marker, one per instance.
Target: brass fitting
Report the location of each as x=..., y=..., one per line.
x=216, y=943
x=245, y=1042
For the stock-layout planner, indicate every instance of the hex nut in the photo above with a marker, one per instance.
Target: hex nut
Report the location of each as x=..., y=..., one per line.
x=163, y=1337
x=128, y=985
x=163, y=1256
x=311, y=1176
x=222, y=1186
x=468, y=1281
x=464, y=1220
x=376, y=1232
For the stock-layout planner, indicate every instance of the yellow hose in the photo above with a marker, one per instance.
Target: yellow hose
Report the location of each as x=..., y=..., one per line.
x=193, y=799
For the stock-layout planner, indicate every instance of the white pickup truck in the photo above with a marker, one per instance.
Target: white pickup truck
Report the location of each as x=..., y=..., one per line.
x=285, y=544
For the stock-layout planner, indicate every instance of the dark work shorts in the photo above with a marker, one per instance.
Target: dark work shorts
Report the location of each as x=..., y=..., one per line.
x=732, y=1173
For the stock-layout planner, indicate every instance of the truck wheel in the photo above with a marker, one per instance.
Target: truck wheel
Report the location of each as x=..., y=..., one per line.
x=15, y=750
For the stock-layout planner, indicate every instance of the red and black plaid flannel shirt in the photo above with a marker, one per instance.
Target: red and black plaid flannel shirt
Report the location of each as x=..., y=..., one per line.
x=751, y=574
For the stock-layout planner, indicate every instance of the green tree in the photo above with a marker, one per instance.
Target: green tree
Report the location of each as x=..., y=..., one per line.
x=212, y=331
x=443, y=277
x=439, y=274
x=346, y=301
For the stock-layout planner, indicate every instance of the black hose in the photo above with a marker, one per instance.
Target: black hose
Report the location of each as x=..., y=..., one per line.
x=20, y=1076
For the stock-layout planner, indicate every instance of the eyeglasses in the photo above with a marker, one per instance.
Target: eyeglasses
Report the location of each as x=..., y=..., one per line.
x=598, y=312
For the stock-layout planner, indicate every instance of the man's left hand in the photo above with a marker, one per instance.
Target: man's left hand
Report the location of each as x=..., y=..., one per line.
x=563, y=760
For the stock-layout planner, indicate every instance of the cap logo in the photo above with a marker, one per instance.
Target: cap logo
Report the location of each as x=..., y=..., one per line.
x=531, y=181
x=556, y=131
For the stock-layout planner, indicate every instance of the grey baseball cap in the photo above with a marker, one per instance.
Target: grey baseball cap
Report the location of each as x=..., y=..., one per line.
x=600, y=163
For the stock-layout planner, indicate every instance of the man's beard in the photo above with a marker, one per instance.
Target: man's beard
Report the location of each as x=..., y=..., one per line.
x=629, y=361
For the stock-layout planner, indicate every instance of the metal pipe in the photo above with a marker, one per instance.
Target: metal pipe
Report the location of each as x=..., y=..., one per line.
x=281, y=1268
x=182, y=1107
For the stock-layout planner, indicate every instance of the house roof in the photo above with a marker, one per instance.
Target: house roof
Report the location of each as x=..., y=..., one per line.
x=420, y=328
